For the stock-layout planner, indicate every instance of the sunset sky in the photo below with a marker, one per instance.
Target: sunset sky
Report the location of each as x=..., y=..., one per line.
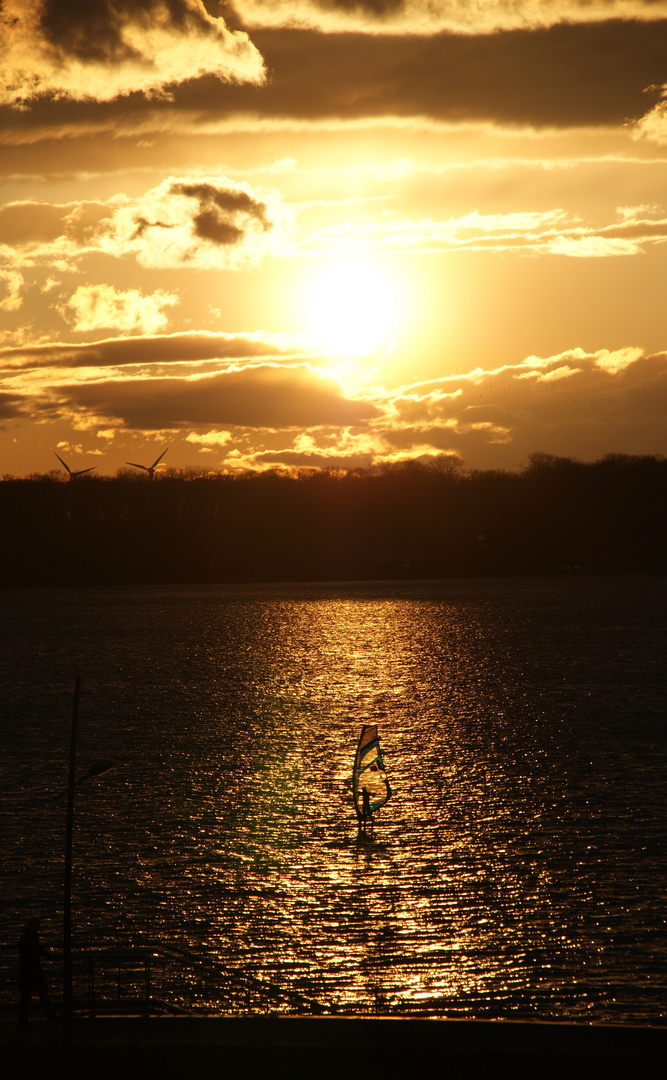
x=319, y=232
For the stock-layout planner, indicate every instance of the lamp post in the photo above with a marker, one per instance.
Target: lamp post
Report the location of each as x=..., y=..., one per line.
x=67, y=905
x=96, y=769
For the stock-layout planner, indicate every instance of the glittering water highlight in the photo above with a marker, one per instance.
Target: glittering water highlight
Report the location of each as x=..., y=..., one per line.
x=518, y=871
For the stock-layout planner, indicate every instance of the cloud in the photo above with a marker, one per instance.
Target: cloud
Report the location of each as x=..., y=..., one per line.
x=195, y=347
x=575, y=403
x=261, y=396
x=580, y=403
x=565, y=75
x=102, y=49
x=202, y=223
x=586, y=74
x=97, y=307
x=563, y=372
x=616, y=360
x=325, y=448
x=207, y=222
x=388, y=231
x=328, y=449
x=546, y=232
x=591, y=247
x=209, y=439
x=11, y=283
x=218, y=209
x=10, y=406
x=431, y=16
x=309, y=459
x=28, y=222
x=653, y=126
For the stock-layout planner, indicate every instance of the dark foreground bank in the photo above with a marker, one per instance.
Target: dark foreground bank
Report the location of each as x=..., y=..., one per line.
x=407, y=520
x=328, y=1047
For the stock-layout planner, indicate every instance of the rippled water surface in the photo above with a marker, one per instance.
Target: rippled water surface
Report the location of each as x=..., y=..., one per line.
x=519, y=869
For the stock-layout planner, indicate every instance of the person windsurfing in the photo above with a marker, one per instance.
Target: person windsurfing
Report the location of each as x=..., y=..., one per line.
x=366, y=812
x=370, y=787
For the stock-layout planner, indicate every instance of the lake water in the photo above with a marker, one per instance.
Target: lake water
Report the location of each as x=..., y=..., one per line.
x=518, y=871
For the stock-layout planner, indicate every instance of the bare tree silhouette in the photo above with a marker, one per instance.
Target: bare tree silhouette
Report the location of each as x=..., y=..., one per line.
x=150, y=469
x=410, y=520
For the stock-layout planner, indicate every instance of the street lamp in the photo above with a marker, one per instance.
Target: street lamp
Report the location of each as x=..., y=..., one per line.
x=96, y=769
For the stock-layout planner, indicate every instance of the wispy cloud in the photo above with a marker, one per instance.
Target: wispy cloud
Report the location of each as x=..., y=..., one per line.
x=537, y=232
x=432, y=16
x=11, y=283
x=196, y=347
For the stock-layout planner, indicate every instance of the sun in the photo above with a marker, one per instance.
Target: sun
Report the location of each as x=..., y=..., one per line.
x=351, y=308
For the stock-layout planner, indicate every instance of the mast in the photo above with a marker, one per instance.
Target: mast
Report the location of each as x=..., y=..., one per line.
x=355, y=776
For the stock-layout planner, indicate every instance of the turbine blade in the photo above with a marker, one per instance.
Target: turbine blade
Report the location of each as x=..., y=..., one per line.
x=144, y=467
x=64, y=464
x=159, y=459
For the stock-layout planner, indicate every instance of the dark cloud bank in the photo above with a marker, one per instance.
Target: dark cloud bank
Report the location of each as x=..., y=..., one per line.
x=586, y=74
x=264, y=396
x=567, y=75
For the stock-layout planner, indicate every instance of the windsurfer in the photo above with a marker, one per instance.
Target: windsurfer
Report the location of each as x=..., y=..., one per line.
x=366, y=812
x=368, y=766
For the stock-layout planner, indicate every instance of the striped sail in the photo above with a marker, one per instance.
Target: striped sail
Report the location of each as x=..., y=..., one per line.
x=369, y=773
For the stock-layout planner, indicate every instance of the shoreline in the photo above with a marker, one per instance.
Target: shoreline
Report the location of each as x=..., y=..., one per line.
x=201, y=1045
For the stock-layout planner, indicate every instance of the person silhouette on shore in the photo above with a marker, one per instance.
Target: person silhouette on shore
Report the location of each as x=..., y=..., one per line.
x=31, y=976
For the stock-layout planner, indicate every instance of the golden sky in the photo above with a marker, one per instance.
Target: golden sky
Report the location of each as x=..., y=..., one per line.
x=319, y=232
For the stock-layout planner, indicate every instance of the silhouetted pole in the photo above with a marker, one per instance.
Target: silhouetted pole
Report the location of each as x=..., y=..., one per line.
x=67, y=907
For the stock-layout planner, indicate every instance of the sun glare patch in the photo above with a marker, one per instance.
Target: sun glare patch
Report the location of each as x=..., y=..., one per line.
x=351, y=309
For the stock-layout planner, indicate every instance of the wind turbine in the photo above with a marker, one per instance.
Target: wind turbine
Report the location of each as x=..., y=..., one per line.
x=150, y=469
x=78, y=472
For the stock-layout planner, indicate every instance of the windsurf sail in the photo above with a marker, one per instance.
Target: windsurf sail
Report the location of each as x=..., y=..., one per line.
x=369, y=775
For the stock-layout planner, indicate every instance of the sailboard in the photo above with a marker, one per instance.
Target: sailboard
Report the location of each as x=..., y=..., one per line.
x=370, y=785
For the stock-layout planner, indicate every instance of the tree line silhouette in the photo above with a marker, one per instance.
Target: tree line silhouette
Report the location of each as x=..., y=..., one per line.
x=405, y=520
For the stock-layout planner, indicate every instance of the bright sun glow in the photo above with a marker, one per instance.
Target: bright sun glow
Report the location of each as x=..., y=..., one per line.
x=351, y=309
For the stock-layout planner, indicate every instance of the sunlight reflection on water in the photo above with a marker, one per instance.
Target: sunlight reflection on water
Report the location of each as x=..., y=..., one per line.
x=518, y=870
